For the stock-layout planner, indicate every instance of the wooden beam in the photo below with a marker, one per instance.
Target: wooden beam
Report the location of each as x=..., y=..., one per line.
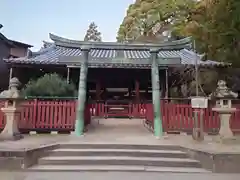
x=41, y=66
x=10, y=74
x=68, y=75
x=166, y=83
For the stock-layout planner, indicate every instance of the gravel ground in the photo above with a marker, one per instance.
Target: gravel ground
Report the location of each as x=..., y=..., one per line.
x=115, y=176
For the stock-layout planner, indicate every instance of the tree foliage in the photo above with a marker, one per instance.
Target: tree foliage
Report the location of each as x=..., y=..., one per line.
x=152, y=17
x=92, y=33
x=49, y=85
x=215, y=25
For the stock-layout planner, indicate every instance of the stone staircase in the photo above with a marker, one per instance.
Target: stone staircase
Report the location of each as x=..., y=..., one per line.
x=117, y=157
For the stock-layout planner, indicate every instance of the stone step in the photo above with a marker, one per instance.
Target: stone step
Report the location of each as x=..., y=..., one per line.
x=118, y=146
x=119, y=152
x=77, y=168
x=119, y=160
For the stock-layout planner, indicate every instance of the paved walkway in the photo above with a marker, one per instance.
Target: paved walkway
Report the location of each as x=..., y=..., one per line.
x=210, y=144
x=33, y=141
x=120, y=131
x=115, y=176
x=123, y=131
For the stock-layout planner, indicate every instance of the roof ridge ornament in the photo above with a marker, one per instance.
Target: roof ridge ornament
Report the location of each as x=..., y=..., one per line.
x=86, y=48
x=47, y=43
x=154, y=50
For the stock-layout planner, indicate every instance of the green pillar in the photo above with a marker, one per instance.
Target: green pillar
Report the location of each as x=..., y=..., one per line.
x=158, y=129
x=79, y=124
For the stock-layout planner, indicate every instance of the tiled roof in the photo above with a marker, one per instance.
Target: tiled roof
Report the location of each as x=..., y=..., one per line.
x=2, y=37
x=13, y=42
x=21, y=44
x=53, y=53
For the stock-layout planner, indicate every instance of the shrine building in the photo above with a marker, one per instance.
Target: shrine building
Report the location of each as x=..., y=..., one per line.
x=115, y=71
x=110, y=71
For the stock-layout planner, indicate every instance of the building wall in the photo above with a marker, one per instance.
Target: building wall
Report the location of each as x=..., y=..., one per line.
x=4, y=53
x=4, y=50
x=18, y=52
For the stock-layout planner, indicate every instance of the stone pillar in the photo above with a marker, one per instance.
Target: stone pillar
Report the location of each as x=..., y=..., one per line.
x=198, y=131
x=79, y=124
x=158, y=129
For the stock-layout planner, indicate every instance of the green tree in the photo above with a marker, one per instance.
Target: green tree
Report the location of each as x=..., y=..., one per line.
x=215, y=25
x=49, y=85
x=152, y=17
x=92, y=33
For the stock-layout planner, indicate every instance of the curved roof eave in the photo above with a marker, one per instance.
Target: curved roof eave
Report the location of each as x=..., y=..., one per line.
x=172, y=45
x=51, y=56
x=47, y=43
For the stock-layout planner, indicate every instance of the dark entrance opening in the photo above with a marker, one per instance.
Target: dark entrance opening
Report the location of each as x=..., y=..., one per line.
x=120, y=90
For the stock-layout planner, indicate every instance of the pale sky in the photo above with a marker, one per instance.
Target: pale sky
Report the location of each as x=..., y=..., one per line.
x=31, y=21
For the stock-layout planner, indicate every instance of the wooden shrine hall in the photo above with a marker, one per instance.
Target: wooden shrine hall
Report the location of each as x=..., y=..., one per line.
x=116, y=71
x=109, y=70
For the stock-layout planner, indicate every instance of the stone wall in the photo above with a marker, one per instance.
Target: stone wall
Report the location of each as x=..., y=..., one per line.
x=22, y=159
x=217, y=163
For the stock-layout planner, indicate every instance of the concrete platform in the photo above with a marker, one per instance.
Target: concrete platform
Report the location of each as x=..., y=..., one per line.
x=118, y=152
x=143, y=175
x=125, y=168
x=121, y=133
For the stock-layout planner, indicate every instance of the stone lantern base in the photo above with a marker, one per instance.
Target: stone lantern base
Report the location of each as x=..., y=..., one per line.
x=10, y=131
x=225, y=132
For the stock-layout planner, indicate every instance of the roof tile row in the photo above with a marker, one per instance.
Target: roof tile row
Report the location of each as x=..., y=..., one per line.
x=52, y=54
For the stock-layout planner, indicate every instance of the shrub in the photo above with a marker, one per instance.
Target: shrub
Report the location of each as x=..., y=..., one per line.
x=49, y=85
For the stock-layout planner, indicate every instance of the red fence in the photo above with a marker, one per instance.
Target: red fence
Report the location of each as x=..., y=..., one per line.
x=61, y=114
x=131, y=110
x=179, y=117
x=47, y=115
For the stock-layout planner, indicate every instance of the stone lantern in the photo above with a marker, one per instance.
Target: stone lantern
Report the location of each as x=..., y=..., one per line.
x=11, y=110
x=223, y=96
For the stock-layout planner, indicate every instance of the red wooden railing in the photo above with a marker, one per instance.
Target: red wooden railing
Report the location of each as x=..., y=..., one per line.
x=47, y=115
x=133, y=110
x=61, y=114
x=179, y=117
